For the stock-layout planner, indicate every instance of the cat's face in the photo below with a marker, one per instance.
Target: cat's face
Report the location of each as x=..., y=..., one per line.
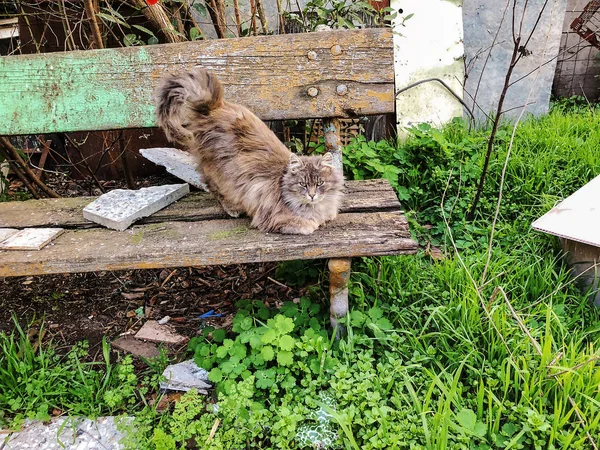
x=310, y=179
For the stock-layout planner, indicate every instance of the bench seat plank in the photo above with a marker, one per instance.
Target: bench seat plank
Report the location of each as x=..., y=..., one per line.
x=361, y=196
x=194, y=232
x=209, y=242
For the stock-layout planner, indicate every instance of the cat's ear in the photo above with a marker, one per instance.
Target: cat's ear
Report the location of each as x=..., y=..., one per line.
x=327, y=162
x=295, y=164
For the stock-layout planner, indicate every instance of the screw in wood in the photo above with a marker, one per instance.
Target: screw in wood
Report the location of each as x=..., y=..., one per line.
x=313, y=92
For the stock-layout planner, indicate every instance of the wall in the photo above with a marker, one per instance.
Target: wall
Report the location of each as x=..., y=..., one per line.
x=482, y=19
x=578, y=65
x=428, y=44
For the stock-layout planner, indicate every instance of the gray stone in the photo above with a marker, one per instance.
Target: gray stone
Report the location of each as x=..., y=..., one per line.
x=30, y=239
x=67, y=433
x=481, y=19
x=185, y=376
x=153, y=332
x=118, y=209
x=178, y=163
x=5, y=233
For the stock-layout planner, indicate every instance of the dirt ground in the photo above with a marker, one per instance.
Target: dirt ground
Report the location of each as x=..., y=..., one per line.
x=92, y=305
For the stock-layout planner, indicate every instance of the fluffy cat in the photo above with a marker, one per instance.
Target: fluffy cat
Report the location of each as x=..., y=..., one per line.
x=244, y=164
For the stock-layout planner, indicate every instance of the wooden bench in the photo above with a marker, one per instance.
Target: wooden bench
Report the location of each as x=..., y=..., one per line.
x=327, y=75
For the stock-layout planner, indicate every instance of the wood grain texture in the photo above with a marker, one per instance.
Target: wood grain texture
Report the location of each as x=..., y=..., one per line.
x=361, y=196
x=112, y=88
x=211, y=242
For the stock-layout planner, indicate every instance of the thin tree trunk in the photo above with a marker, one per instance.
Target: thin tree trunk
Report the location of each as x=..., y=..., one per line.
x=238, y=17
x=492, y=138
x=91, y=15
x=263, y=18
x=20, y=175
x=157, y=15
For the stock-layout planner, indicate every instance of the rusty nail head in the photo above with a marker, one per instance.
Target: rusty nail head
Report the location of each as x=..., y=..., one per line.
x=312, y=55
x=313, y=92
x=336, y=50
x=342, y=89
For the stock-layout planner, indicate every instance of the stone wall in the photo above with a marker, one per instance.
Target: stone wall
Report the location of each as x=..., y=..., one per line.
x=578, y=66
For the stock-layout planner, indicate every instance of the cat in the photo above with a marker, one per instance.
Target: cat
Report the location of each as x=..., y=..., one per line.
x=245, y=166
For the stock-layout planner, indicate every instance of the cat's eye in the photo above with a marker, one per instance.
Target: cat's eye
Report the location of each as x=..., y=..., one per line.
x=303, y=185
x=320, y=183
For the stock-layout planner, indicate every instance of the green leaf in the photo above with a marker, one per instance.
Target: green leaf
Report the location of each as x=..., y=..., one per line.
x=215, y=375
x=267, y=353
x=219, y=335
x=467, y=419
x=255, y=341
x=283, y=324
x=285, y=358
x=143, y=29
x=113, y=19
x=153, y=40
x=269, y=336
x=286, y=342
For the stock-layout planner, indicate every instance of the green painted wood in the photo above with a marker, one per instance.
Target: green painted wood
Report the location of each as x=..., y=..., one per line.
x=112, y=88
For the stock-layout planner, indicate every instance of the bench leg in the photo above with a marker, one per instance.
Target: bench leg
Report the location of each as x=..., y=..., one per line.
x=338, y=288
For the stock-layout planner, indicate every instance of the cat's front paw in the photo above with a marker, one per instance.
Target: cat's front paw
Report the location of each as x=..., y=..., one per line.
x=331, y=217
x=305, y=228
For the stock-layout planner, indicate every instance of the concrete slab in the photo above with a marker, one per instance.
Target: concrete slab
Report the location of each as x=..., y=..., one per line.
x=67, y=433
x=118, y=209
x=30, y=239
x=177, y=162
x=576, y=217
x=5, y=233
x=153, y=332
x=136, y=347
x=185, y=376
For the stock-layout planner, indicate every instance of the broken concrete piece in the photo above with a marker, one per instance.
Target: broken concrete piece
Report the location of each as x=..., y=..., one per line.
x=152, y=331
x=68, y=432
x=185, y=376
x=5, y=233
x=136, y=347
x=178, y=163
x=118, y=209
x=30, y=239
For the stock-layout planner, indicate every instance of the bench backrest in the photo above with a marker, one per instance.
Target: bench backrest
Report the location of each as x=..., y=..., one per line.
x=296, y=76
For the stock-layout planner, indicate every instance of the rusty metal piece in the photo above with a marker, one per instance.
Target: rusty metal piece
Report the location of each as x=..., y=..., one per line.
x=312, y=55
x=342, y=89
x=338, y=288
x=336, y=50
x=333, y=143
x=312, y=92
x=586, y=25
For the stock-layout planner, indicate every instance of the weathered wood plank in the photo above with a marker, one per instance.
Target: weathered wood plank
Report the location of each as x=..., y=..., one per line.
x=112, y=88
x=175, y=244
x=361, y=196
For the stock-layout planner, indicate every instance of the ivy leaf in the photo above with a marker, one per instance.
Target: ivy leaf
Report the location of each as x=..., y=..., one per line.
x=285, y=358
x=267, y=353
x=286, y=342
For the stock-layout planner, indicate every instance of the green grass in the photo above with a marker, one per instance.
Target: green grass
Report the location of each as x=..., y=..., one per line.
x=433, y=357
x=37, y=380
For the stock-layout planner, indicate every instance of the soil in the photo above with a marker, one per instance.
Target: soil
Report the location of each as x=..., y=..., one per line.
x=89, y=306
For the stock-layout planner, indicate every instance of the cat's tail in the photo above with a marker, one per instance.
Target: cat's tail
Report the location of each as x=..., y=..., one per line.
x=184, y=98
